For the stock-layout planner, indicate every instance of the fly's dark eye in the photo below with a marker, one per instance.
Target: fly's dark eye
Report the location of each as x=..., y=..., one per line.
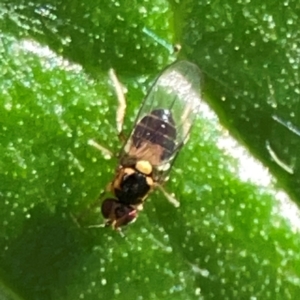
x=119, y=212
x=107, y=207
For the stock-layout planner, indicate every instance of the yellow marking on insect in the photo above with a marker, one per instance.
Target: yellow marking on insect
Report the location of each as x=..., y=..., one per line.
x=128, y=171
x=169, y=197
x=122, y=172
x=149, y=181
x=144, y=167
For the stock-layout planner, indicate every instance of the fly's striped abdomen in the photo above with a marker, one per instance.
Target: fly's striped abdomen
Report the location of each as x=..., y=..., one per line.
x=157, y=128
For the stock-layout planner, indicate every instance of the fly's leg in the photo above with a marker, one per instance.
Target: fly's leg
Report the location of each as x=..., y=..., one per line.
x=120, y=114
x=97, y=203
x=119, y=89
x=107, y=154
x=104, y=225
x=170, y=198
x=77, y=219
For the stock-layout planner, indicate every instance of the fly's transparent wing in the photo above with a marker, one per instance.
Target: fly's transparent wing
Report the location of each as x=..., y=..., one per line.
x=166, y=117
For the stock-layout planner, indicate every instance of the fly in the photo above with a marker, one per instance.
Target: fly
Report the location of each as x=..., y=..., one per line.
x=161, y=128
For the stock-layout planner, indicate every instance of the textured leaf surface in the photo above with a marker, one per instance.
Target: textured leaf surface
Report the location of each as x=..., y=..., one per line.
x=230, y=238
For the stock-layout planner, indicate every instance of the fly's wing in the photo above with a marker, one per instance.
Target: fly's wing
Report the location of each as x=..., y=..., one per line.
x=165, y=119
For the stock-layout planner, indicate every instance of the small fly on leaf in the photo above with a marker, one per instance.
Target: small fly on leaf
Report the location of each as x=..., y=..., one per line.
x=161, y=128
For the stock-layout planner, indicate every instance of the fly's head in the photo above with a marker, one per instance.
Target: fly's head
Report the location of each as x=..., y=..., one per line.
x=117, y=214
x=131, y=186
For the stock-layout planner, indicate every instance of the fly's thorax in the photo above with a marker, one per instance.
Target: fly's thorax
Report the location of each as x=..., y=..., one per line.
x=133, y=183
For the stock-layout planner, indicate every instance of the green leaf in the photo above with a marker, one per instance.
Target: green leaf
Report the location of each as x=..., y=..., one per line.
x=231, y=238
x=249, y=55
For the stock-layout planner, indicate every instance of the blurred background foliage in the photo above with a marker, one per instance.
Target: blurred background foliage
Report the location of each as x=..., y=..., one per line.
x=230, y=238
